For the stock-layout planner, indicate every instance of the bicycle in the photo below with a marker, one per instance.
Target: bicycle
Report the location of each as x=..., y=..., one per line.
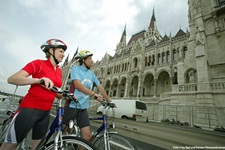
x=103, y=138
x=60, y=141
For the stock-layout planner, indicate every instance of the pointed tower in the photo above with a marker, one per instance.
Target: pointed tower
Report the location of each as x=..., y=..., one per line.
x=66, y=60
x=122, y=44
x=123, y=37
x=152, y=24
x=73, y=58
x=152, y=33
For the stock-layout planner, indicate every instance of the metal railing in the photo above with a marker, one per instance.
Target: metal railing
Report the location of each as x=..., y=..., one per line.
x=206, y=117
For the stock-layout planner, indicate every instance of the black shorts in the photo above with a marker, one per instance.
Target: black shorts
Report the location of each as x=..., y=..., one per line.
x=25, y=120
x=81, y=116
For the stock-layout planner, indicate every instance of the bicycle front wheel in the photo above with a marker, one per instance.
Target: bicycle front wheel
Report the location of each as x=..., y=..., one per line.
x=116, y=141
x=70, y=143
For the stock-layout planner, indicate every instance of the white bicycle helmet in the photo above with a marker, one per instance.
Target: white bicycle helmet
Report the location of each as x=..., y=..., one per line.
x=53, y=43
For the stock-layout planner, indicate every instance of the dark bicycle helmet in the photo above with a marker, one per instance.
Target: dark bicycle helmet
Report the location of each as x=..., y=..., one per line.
x=53, y=43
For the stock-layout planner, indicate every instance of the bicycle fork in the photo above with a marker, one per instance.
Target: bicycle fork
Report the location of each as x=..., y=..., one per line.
x=106, y=135
x=56, y=140
x=59, y=130
x=106, y=141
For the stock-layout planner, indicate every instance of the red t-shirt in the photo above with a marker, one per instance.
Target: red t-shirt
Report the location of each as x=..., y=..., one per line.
x=39, y=97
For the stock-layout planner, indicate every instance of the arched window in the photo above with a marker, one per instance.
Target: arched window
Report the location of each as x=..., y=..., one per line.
x=163, y=57
x=153, y=59
x=102, y=71
x=174, y=55
x=175, y=81
x=108, y=71
x=168, y=56
x=146, y=61
x=191, y=76
x=185, y=52
x=135, y=62
x=159, y=59
x=149, y=60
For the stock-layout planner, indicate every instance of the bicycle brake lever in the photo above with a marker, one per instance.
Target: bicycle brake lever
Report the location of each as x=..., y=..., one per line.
x=71, y=97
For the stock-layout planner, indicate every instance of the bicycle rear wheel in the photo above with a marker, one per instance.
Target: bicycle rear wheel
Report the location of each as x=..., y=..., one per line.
x=70, y=143
x=117, y=142
x=4, y=128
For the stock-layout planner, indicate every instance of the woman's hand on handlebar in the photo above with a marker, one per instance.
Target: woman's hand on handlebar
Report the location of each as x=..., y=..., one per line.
x=47, y=83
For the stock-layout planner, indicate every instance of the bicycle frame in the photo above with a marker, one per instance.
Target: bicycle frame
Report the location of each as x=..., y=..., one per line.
x=103, y=127
x=55, y=126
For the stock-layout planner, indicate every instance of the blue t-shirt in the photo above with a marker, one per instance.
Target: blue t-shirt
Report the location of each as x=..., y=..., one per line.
x=86, y=78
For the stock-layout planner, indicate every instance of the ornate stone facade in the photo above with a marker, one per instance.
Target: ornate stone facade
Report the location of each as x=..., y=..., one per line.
x=187, y=69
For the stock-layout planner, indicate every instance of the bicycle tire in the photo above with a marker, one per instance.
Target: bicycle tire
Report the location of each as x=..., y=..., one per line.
x=71, y=143
x=117, y=142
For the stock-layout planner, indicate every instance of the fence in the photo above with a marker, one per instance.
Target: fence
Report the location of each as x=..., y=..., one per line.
x=207, y=117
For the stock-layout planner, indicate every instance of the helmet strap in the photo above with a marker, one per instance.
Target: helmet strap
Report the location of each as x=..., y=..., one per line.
x=53, y=55
x=85, y=64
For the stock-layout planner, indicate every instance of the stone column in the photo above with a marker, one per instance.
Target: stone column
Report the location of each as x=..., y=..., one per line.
x=109, y=93
x=117, y=89
x=126, y=90
x=171, y=82
x=155, y=87
x=180, y=72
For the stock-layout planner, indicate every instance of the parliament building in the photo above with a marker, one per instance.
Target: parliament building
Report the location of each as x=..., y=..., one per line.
x=179, y=77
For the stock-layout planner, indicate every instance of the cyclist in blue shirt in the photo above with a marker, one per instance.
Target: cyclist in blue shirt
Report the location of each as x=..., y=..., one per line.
x=82, y=82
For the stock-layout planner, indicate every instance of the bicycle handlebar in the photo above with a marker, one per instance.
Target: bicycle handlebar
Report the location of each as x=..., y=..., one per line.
x=106, y=103
x=65, y=94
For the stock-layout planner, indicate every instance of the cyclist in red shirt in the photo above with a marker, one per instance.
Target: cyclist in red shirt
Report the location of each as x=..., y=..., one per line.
x=35, y=108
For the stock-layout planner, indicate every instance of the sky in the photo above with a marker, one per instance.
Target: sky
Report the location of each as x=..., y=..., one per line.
x=96, y=25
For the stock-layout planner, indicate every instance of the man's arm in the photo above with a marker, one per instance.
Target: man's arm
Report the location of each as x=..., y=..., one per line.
x=82, y=88
x=103, y=92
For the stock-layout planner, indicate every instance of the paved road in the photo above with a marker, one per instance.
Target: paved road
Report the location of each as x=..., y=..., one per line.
x=140, y=145
x=173, y=136
x=157, y=136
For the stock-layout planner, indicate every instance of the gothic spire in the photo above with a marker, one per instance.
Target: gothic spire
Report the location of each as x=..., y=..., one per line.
x=73, y=59
x=123, y=37
x=153, y=15
x=124, y=31
x=66, y=60
x=152, y=25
